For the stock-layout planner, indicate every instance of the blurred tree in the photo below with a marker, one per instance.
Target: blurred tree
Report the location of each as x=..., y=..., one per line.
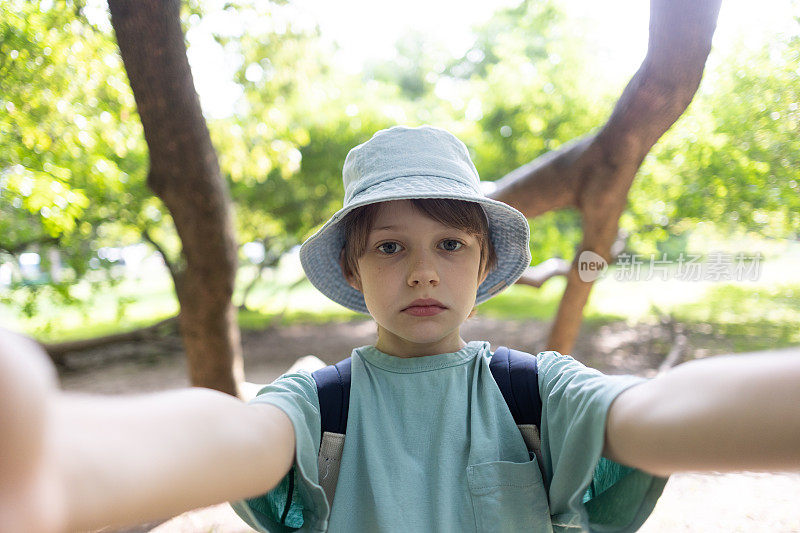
x=419, y=58
x=733, y=159
x=283, y=148
x=527, y=93
x=185, y=174
x=593, y=173
x=523, y=91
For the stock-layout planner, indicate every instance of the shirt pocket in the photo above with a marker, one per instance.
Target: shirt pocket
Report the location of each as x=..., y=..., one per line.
x=509, y=497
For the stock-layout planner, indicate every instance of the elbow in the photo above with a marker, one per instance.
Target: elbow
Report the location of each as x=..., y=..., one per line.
x=273, y=440
x=628, y=433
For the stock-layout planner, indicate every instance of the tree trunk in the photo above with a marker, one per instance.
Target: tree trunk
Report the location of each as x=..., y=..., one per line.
x=594, y=174
x=185, y=174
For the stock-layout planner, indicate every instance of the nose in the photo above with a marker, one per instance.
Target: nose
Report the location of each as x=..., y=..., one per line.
x=422, y=271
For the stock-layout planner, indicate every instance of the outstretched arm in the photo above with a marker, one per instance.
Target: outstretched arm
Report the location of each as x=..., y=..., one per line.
x=721, y=413
x=92, y=461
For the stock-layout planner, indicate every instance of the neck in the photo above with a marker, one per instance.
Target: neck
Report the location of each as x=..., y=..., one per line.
x=392, y=345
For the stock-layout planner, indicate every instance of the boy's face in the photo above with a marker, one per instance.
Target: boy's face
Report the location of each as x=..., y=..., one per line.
x=411, y=257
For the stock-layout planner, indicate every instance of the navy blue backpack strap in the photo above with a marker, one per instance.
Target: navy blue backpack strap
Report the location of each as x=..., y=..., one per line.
x=333, y=391
x=517, y=376
x=514, y=371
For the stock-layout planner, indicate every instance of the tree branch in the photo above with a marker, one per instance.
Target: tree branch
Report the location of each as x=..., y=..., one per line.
x=681, y=33
x=22, y=246
x=594, y=173
x=536, y=276
x=554, y=176
x=174, y=271
x=555, y=266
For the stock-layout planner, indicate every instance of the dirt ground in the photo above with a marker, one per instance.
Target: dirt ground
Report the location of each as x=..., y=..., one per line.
x=747, y=502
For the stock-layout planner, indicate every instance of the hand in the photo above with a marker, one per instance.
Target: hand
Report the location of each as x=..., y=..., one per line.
x=30, y=496
x=724, y=413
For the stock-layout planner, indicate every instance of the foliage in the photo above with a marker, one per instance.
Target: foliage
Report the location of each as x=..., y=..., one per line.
x=751, y=318
x=733, y=158
x=761, y=315
x=283, y=150
x=72, y=156
x=73, y=160
x=517, y=93
x=523, y=84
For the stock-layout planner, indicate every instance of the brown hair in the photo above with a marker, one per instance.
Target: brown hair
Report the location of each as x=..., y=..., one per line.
x=460, y=214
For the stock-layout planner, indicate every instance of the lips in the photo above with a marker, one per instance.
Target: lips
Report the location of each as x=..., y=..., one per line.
x=425, y=307
x=426, y=302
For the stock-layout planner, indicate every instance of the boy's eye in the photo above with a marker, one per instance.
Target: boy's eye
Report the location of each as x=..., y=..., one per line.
x=389, y=247
x=451, y=245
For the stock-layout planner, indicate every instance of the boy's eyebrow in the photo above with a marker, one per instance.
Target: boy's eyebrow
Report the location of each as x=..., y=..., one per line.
x=386, y=227
x=402, y=227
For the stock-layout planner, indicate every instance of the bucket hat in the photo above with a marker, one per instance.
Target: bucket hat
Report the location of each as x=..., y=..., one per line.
x=403, y=163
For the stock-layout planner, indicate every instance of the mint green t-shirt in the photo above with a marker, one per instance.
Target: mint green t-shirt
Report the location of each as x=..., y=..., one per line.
x=431, y=446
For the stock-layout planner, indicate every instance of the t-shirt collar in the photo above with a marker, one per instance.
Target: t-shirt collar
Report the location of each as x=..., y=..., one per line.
x=424, y=363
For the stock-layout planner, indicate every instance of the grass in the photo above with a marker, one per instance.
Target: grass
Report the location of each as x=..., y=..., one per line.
x=750, y=320
x=744, y=315
x=751, y=315
x=129, y=305
x=256, y=320
x=520, y=302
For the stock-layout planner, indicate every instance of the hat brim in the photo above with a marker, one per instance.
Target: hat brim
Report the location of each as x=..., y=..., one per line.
x=508, y=230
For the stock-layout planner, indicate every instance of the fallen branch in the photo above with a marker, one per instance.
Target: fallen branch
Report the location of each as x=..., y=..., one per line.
x=594, y=173
x=56, y=351
x=675, y=354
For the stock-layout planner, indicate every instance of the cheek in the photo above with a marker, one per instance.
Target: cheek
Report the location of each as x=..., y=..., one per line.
x=377, y=279
x=469, y=270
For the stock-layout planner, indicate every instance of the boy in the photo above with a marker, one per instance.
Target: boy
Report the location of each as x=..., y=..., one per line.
x=430, y=442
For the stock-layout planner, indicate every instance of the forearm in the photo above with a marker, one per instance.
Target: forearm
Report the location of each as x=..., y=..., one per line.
x=129, y=459
x=721, y=414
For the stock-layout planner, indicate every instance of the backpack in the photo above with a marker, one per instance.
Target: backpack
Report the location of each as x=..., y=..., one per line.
x=516, y=375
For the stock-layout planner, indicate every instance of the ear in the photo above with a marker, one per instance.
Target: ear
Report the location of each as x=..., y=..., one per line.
x=354, y=282
x=483, y=275
x=352, y=279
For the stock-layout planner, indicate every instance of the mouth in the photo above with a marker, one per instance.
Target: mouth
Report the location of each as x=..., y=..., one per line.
x=425, y=307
